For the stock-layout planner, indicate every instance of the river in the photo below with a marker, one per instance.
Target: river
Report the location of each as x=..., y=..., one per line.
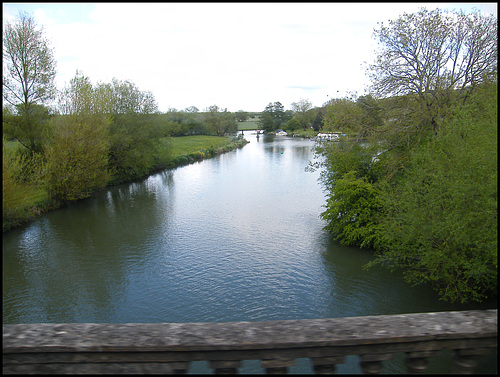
x=237, y=237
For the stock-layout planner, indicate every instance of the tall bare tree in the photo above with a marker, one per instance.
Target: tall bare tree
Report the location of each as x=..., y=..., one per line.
x=28, y=75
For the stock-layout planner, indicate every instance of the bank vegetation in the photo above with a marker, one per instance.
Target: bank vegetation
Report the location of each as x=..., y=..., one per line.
x=92, y=136
x=415, y=179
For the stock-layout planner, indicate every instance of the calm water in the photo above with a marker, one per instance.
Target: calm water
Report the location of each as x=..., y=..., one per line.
x=234, y=238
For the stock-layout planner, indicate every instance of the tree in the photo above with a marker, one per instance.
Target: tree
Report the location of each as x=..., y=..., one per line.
x=343, y=115
x=352, y=210
x=302, y=112
x=191, y=109
x=241, y=116
x=317, y=123
x=274, y=117
x=293, y=124
x=441, y=218
x=220, y=121
x=421, y=189
x=77, y=157
x=431, y=57
x=129, y=99
x=28, y=79
x=21, y=175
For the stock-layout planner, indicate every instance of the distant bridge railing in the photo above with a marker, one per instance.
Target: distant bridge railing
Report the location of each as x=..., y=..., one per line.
x=170, y=347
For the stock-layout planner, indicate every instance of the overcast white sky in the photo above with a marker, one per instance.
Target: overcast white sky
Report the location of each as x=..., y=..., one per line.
x=238, y=56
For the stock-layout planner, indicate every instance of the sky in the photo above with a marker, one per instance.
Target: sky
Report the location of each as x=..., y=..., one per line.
x=239, y=56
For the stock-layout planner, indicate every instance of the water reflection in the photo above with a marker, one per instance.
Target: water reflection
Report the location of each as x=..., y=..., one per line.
x=236, y=237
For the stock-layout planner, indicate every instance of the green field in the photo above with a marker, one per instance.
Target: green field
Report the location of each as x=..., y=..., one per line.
x=185, y=145
x=250, y=124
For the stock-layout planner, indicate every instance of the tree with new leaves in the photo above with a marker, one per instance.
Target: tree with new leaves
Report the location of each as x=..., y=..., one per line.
x=421, y=189
x=220, y=121
x=129, y=99
x=431, y=57
x=273, y=117
x=77, y=155
x=241, y=116
x=302, y=112
x=28, y=78
x=441, y=223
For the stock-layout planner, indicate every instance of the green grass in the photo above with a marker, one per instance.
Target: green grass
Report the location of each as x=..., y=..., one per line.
x=178, y=151
x=186, y=145
x=250, y=124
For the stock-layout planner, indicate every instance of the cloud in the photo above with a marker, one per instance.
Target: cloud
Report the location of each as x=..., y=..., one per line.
x=236, y=55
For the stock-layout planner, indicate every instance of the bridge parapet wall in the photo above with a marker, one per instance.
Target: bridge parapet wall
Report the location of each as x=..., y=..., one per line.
x=170, y=347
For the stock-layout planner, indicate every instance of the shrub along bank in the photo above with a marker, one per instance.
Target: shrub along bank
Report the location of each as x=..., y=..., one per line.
x=26, y=199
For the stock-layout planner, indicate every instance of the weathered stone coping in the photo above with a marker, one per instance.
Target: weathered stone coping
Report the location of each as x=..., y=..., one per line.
x=326, y=341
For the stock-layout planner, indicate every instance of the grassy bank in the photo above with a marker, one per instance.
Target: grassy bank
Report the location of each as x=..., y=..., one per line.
x=188, y=149
x=32, y=200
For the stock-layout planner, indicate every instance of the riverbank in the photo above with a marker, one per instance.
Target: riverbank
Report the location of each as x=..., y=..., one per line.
x=180, y=151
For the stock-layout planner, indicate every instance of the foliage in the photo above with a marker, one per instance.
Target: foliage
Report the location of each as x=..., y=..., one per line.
x=29, y=126
x=77, y=157
x=318, y=121
x=220, y=122
x=28, y=80
x=421, y=186
x=441, y=221
x=434, y=55
x=302, y=112
x=18, y=187
x=29, y=63
x=134, y=139
x=241, y=116
x=274, y=117
x=342, y=115
x=127, y=98
x=350, y=211
x=293, y=124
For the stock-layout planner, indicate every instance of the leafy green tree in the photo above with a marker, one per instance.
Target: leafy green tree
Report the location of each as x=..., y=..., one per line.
x=28, y=125
x=441, y=225
x=302, y=112
x=343, y=115
x=77, y=156
x=241, y=116
x=134, y=142
x=318, y=121
x=28, y=80
x=421, y=188
x=129, y=99
x=191, y=109
x=293, y=124
x=134, y=131
x=274, y=117
x=351, y=211
x=266, y=121
x=21, y=173
x=220, y=121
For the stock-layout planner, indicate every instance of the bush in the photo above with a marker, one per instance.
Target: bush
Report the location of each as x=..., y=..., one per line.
x=20, y=191
x=441, y=219
x=77, y=159
x=351, y=210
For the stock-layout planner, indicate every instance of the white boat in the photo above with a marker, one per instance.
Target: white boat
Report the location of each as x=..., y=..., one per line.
x=281, y=133
x=328, y=136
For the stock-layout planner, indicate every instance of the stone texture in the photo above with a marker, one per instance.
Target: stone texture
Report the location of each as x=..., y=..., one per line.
x=153, y=347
